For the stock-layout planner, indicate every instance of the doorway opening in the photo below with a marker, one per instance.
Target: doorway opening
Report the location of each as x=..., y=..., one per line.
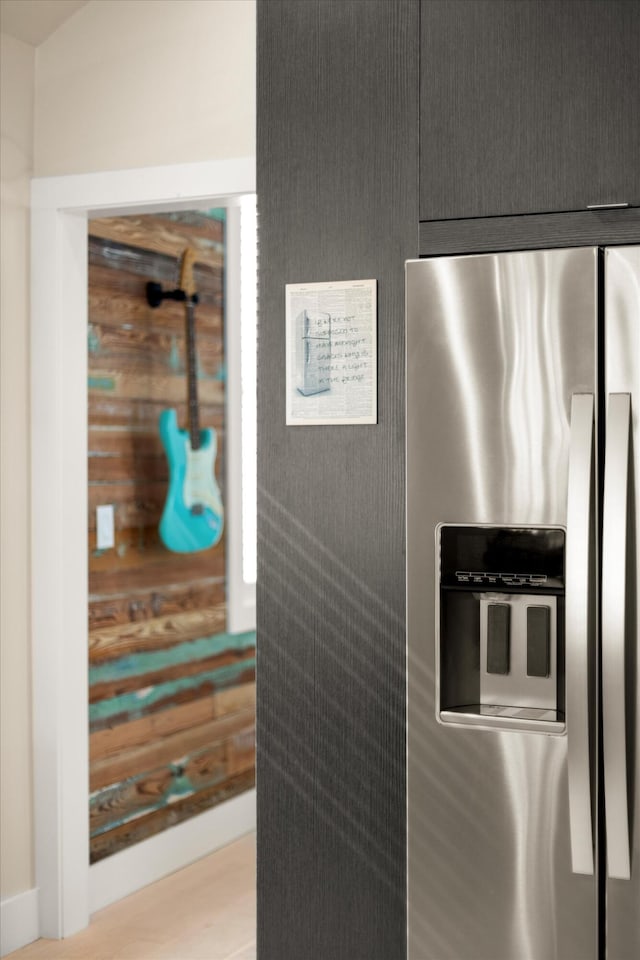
x=61, y=208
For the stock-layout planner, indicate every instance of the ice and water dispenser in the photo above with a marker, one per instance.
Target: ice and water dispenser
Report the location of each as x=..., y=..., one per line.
x=500, y=627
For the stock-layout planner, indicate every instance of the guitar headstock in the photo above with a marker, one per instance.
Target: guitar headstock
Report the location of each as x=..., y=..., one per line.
x=187, y=282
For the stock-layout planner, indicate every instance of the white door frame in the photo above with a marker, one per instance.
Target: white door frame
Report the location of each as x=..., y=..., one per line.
x=59, y=566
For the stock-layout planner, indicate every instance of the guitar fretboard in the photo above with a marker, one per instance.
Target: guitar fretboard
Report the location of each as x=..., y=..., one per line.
x=194, y=416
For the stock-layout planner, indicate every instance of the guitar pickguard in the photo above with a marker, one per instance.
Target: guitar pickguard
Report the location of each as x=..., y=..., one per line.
x=200, y=487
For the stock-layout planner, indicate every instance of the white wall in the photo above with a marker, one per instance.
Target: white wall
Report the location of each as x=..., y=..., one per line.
x=135, y=83
x=124, y=83
x=16, y=155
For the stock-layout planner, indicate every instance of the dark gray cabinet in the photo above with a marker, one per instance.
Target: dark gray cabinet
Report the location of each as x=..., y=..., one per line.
x=528, y=106
x=525, y=107
x=337, y=175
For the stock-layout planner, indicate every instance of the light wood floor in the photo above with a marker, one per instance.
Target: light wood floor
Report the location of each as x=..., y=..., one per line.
x=206, y=911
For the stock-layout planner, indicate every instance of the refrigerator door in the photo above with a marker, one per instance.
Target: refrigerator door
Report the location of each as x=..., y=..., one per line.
x=620, y=589
x=498, y=346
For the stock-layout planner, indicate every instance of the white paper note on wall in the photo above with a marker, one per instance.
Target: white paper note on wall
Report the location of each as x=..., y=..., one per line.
x=105, y=537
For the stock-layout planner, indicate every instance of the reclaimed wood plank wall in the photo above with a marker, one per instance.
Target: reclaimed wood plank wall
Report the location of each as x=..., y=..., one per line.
x=172, y=694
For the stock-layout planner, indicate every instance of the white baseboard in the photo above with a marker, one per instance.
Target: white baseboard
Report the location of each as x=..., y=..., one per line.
x=19, y=924
x=129, y=870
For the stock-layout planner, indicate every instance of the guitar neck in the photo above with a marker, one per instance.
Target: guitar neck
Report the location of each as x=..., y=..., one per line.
x=188, y=285
x=192, y=377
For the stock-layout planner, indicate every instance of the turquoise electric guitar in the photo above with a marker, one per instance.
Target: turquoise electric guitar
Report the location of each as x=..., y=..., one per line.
x=192, y=518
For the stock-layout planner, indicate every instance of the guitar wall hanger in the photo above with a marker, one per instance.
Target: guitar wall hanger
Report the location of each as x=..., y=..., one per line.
x=155, y=294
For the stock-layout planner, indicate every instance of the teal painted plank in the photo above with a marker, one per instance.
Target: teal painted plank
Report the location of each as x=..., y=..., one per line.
x=93, y=340
x=101, y=383
x=174, y=357
x=137, y=664
x=136, y=703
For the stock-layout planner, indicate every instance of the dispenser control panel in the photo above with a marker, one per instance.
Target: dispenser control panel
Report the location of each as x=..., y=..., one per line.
x=500, y=636
x=532, y=557
x=506, y=579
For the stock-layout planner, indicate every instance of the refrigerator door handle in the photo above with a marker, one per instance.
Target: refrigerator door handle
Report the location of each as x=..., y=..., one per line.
x=614, y=576
x=579, y=625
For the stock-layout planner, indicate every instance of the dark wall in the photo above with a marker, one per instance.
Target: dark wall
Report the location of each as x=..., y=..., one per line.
x=338, y=199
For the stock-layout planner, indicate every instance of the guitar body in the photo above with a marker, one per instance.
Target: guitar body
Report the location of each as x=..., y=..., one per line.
x=192, y=518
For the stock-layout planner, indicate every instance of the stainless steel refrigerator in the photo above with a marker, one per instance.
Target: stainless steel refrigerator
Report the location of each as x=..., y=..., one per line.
x=523, y=524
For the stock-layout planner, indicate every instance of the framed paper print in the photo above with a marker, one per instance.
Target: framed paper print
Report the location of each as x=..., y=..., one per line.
x=331, y=352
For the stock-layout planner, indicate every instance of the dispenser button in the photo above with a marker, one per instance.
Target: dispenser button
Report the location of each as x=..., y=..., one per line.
x=538, y=641
x=498, y=638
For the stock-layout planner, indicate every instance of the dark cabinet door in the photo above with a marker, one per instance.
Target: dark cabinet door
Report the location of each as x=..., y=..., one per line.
x=528, y=106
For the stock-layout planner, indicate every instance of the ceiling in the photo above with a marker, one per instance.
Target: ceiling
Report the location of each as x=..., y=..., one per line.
x=32, y=21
